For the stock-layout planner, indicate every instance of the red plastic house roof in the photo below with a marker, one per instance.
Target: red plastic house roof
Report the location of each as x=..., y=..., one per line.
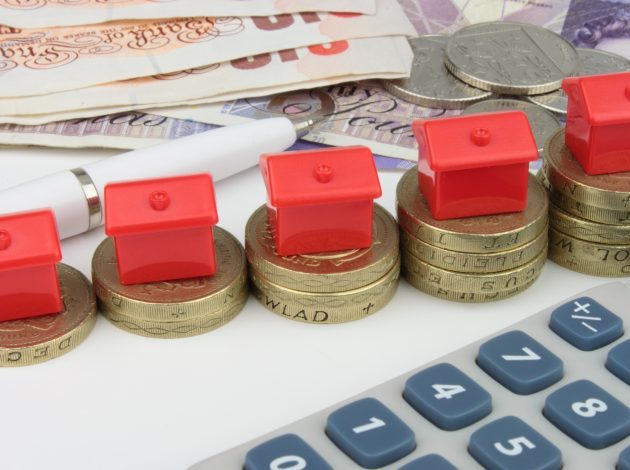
x=342, y=174
x=28, y=239
x=129, y=208
x=606, y=98
x=506, y=138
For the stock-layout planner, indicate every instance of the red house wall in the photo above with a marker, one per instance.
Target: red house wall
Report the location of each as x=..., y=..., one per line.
x=33, y=292
x=478, y=191
x=172, y=254
x=323, y=227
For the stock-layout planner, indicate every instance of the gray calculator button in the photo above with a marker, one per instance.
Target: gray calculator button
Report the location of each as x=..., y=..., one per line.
x=447, y=397
x=370, y=434
x=288, y=451
x=586, y=324
x=589, y=414
x=510, y=444
x=519, y=362
x=618, y=361
x=429, y=462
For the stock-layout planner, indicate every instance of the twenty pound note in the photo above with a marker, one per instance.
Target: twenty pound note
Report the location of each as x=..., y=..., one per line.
x=39, y=61
x=268, y=73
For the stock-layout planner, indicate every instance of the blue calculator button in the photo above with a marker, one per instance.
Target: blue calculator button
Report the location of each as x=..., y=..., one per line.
x=588, y=414
x=519, y=362
x=370, y=433
x=624, y=460
x=618, y=361
x=286, y=451
x=447, y=397
x=586, y=324
x=511, y=444
x=429, y=462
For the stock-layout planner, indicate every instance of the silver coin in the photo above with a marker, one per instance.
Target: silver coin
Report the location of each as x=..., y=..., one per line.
x=543, y=123
x=430, y=83
x=592, y=62
x=510, y=58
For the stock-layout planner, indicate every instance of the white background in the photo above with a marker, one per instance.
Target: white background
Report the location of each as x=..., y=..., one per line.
x=121, y=401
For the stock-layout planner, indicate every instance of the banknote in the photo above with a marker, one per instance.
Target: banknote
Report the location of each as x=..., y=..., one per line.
x=599, y=24
x=128, y=131
x=40, y=61
x=447, y=16
x=306, y=67
x=365, y=114
x=48, y=13
x=35, y=119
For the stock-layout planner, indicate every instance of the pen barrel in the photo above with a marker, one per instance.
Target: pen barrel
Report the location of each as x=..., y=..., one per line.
x=60, y=192
x=221, y=152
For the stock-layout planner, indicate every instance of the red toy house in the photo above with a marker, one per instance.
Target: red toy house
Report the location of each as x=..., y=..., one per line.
x=162, y=228
x=598, y=122
x=475, y=165
x=29, y=250
x=321, y=200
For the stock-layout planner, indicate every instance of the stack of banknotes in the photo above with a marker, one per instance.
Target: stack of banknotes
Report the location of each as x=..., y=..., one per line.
x=132, y=73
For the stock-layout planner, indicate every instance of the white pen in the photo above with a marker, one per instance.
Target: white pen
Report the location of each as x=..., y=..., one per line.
x=76, y=196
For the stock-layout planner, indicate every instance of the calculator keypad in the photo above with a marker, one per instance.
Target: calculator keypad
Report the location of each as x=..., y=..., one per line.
x=447, y=397
x=453, y=404
x=370, y=434
x=586, y=324
x=588, y=414
x=519, y=362
x=510, y=444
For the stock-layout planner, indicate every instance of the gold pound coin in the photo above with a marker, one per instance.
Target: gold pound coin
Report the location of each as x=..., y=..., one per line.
x=473, y=262
x=484, y=234
x=33, y=340
x=565, y=174
x=323, y=272
x=193, y=300
x=180, y=329
x=337, y=307
x=464, y=282
x=597, y=259
x=586, y=230
x=464, y=297
x=585, y=211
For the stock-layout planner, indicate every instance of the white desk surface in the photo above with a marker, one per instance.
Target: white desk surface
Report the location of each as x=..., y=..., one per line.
x=121, y=401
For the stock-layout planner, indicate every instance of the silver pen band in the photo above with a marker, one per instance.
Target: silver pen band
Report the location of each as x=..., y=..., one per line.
x=92, y=199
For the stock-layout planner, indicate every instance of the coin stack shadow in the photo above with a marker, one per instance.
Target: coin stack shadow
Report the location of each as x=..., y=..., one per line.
x=474, y=259
x=177, y=308
x=332, y=287
x=589, y=215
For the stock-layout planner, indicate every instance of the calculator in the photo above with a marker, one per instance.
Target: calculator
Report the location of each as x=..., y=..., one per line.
x=549, y=392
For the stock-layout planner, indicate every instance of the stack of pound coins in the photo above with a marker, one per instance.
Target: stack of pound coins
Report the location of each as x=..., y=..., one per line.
x=473, y=259
x=178, y=308
x=589, y=214
x=331, y=287
x=33, y=340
